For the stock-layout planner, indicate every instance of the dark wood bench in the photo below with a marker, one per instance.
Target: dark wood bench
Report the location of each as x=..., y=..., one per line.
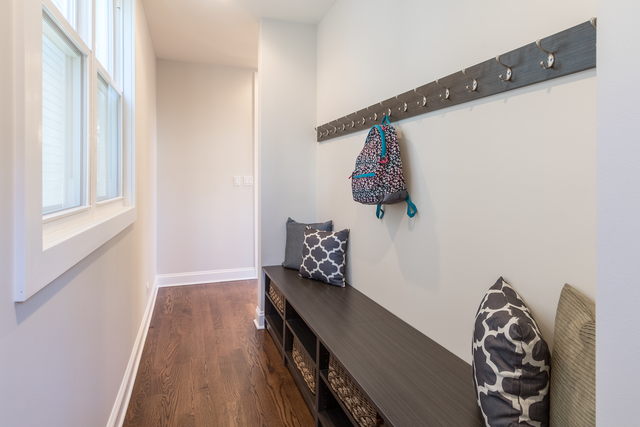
x=410, y=380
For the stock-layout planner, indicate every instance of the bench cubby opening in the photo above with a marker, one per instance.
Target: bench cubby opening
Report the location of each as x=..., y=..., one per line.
x=274, y=323
x=330, y=412
x=301, y=331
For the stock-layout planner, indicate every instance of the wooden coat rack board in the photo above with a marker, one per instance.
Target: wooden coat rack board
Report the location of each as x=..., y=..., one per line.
x=563, y=53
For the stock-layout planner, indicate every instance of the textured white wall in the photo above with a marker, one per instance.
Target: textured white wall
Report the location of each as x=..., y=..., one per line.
x=618, y=218
x=205, y=138
x=287, y=106
x=505, y=186
x=64, y=351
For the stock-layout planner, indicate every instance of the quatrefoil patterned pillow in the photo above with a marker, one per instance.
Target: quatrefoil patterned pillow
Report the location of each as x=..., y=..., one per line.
x=511, y=361
x=324, y=256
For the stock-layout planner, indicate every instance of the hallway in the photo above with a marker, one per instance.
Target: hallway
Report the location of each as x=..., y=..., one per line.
x=205, y=364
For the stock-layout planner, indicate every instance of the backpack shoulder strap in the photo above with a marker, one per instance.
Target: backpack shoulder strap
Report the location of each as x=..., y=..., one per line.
x=383, y=152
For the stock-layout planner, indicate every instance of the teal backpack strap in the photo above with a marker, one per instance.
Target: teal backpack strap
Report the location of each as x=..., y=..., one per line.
x=411, y=208
x=379, y=212
x=383, y=153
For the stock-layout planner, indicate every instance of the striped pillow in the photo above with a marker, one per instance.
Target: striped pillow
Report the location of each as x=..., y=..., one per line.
x=573, y=366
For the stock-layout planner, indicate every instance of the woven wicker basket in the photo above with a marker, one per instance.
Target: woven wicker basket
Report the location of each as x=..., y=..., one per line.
x=363, y=412
x=277, y=297
x=304, y=364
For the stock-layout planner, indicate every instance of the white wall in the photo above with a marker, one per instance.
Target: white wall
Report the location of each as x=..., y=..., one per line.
x=287, y=109
x=64, y=351
x=504, y=186
x=205, y=138
x=146, y=147
x=287, y=70
x=618, y=214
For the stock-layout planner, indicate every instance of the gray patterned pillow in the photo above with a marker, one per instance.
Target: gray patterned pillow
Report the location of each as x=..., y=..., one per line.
x=511, y=361
x=323, y=255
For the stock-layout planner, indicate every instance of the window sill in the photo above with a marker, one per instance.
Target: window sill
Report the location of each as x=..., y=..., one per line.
x=60, y=251
x=102, y=223
x=109, y=201
x=64, y=214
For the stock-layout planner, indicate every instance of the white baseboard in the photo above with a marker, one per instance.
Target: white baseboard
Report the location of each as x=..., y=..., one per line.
x=259, y=320
x=119, y=410
x=213, y=276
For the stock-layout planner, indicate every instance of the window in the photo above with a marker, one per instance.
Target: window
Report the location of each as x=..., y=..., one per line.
x=109, y=36
x=109, y=146
x=76, y=13
x=74, y=145
x=63, y=153
x=64, y=163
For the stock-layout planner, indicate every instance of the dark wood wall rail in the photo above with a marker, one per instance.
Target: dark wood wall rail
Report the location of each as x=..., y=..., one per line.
x=410, y=379
x=574, y=50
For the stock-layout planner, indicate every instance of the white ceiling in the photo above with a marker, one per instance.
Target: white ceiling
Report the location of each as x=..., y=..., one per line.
x=223, y=32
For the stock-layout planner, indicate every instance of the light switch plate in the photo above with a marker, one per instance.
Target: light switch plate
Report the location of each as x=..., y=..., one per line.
x=248, y=180
x=237, y=181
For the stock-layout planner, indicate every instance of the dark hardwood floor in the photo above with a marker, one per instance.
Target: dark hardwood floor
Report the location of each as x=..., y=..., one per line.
x=205, y=364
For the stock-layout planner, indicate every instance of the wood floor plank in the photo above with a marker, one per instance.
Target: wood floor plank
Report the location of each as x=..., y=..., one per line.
x=205, y=364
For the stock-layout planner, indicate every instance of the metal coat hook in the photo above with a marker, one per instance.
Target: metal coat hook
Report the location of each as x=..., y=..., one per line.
x=348, y=125
x=447, y=92
x=375, y=116
x=389, y=109
x=318, y=133
x=353, y=124
x=551, y=59
x=344, y=127
x=594, y=22
x=335, y=129
x=474, y=86
x=509, y=73
x=363, y=119
x=403, y=109
x=424, y=98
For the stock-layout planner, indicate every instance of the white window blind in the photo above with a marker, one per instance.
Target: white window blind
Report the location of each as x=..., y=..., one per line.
x=63, y=153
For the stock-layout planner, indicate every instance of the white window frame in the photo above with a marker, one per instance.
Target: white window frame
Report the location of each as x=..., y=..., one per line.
x=46, y=247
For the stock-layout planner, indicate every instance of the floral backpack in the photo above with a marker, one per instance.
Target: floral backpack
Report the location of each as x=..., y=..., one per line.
x=377, y=178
